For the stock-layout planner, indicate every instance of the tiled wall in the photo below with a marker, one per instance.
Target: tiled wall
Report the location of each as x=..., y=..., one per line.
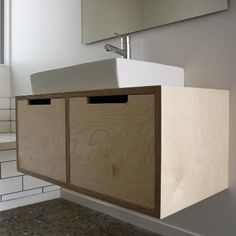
x=17, y=189
x=5, y=116
x=4, y=98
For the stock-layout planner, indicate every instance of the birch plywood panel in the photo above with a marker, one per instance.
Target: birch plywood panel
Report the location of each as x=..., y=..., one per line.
x=164, y=150
x=113, y=148
x=195, y=136
x=41, y=138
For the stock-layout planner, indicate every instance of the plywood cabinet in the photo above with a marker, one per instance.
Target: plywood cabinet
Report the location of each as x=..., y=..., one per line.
x=156, y=150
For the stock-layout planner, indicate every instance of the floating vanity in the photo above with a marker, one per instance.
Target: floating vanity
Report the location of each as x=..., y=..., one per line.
x=156, y=150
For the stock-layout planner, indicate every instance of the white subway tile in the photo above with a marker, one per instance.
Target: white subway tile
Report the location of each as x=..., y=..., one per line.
x=13, y=114
x=10, y=185
x=51, y=188
x=21, y=194
x=5, y=126
x=4, y=103
x=8, y=169
x=31, y=182
x=13, y=126
x=8, y=155
x=12, y=103
x=5, y=115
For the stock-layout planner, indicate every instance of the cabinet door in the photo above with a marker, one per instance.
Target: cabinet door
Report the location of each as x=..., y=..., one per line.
x=112, y=151
x=41, y=137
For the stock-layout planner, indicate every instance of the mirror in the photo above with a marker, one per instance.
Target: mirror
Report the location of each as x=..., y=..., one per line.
x=102, y=18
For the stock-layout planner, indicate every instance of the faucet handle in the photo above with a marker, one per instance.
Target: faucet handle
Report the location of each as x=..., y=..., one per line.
x=117, y=34
x=121, y=35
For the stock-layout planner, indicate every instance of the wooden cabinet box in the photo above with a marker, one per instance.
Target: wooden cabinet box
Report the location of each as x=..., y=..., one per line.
x=155, y=150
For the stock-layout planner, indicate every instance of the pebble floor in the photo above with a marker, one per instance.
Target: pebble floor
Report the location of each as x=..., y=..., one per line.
x=62, y=218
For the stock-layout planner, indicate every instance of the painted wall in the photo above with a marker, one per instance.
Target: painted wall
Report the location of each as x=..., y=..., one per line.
x=46, y=34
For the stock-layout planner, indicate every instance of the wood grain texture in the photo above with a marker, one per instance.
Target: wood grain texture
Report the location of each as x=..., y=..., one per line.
x=195, y=139
x=164, y=150
x=41, y=138
x=113, y=148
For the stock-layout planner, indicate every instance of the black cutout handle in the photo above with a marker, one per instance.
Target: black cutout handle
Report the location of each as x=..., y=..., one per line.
x=40, y=101
x=107, y=99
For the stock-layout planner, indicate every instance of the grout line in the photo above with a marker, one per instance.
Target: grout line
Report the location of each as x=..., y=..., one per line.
x=29, y=196
x=22, y=191
x=21, y=197
x=11, y=177
x=22, y=183
x=8, y=133
x=8, y=149
x=7, y=161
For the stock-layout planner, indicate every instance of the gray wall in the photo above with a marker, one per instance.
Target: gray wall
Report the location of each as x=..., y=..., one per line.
x=46, y=34
x=206, y=48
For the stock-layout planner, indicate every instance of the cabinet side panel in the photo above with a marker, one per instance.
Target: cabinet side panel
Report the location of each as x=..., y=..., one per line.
x=41, y=138
x=195, y=139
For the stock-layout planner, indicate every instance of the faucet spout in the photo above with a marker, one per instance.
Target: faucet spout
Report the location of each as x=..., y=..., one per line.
x=111, y=48
x=124, y=51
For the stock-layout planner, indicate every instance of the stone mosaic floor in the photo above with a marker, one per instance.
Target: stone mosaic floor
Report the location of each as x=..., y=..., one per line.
x=62, y=218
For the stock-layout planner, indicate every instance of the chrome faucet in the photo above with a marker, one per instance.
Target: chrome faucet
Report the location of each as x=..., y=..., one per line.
x=125, y=50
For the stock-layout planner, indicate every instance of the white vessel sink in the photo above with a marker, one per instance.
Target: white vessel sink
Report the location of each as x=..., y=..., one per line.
x=112, y=73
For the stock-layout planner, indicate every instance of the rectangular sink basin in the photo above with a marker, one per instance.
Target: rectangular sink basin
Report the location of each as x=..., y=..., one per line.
x=112, y=73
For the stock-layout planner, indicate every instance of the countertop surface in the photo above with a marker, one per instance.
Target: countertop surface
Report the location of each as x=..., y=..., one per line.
x=7, y=141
